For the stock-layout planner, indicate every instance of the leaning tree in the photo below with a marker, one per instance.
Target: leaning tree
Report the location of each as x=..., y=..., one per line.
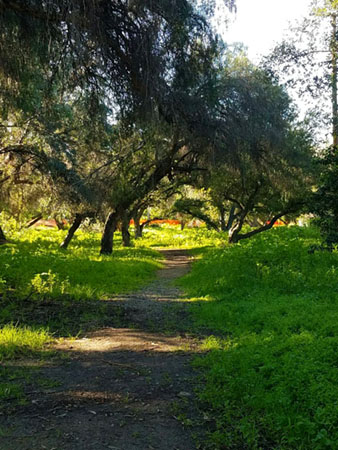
x=146, y=61
x=261, y=165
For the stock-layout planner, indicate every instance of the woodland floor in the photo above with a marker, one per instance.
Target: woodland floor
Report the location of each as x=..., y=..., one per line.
x=117, y=388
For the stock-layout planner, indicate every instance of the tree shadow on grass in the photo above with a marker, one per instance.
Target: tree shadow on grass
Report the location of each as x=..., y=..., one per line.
x=61, y=318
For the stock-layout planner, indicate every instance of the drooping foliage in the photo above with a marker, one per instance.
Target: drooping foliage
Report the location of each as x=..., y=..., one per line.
x=260, y=167
x=69, y=70
x=106, y=101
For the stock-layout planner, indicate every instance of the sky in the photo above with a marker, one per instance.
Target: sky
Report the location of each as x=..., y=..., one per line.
x=261, y=23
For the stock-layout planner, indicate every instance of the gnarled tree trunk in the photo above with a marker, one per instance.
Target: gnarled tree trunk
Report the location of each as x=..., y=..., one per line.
x=108, y=233
x=75, y=225
x=234, y=232
x=237, y=225
x=226, y=225
x=236, y=236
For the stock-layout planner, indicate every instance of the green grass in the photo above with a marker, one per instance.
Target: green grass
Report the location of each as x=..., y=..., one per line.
x=33, y=265
x=268, y=309
x=48, y=292
x=18, y=341
x=172, y=236
x=270, y=377
x=61, y=292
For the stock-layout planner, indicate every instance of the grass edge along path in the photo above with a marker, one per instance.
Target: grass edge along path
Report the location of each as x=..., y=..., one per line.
x=270, y=376
x=46, y=292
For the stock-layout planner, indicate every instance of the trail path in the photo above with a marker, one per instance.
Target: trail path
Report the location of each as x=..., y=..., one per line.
x=120, y=389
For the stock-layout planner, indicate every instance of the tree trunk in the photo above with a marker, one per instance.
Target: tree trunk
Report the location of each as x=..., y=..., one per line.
x=182, y=222
x=334, y=61
x=231, y=218
x=268, y=225
x=226, y=224
x=221, y=211
x=237, y=226
x=3, y=239
x=137, y=223
x=75, y=225
x=108, y=234
x=234, y=232
x=125, y=230
x=138, y=229
x=240, y=217
x=262, y=228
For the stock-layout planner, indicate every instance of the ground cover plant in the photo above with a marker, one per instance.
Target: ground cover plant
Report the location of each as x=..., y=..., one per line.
x=268, y=306
x=46, y=292
x=271, y=309
x=35, y=266
x=162, y=236
x=42, y=285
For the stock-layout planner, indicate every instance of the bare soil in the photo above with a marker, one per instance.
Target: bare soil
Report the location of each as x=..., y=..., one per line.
x=117, y=388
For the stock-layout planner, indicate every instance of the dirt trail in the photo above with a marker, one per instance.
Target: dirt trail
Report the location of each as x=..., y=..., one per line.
x=119, y=389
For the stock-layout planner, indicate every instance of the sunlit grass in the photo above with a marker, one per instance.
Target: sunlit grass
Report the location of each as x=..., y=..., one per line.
x=271, y=371
x=43, y=287
x=173, y=236
x=18, y=341
x=48, y=292
x=34, y=266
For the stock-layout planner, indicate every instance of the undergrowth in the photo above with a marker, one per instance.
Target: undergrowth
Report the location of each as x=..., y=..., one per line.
x=46, y=292
x=33, y=266
x=173, y=236
x=268, y=307
x=19, y=341
x=271, y=311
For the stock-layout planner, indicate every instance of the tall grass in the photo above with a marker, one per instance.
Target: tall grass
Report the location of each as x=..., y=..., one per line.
x=271, y=373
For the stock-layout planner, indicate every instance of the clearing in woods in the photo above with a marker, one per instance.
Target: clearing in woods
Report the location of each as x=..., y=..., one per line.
x=117, y=388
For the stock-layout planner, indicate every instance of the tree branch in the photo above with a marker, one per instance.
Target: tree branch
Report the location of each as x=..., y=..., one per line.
x=270, y=223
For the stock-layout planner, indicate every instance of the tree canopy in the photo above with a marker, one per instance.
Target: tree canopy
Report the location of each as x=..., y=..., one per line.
x=103, y=102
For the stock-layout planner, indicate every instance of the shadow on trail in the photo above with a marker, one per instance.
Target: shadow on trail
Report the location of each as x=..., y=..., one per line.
x=107, y=399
